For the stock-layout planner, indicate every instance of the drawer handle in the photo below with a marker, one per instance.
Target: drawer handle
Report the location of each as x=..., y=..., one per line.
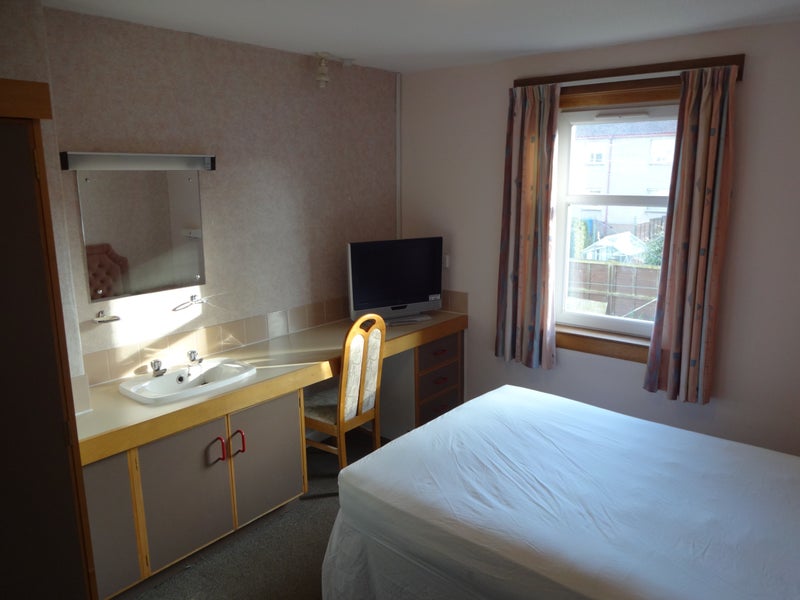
x=440, y=380
x=221, y=441
x=440, y=351
x=243, y=449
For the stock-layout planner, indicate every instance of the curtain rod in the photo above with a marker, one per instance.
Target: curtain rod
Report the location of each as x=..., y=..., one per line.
x=678, y=65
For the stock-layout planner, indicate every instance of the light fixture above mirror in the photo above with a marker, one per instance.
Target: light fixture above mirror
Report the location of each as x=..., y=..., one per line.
x=115, y=161
x=140, y=214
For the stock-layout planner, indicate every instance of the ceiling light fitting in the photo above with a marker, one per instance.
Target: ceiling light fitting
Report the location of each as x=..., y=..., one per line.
x=322, y=72
x=323, y=75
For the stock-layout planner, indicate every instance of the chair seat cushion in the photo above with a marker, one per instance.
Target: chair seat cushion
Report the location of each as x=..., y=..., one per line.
x=322, y=403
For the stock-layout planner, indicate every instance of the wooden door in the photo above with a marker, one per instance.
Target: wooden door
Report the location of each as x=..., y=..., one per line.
x=45, y=523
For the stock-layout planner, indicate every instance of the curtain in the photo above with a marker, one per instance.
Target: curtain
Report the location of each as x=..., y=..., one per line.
x=525, y=318
x=681, y=352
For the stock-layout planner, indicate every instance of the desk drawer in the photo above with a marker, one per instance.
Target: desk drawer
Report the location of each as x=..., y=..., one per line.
x=438, y=406
x=439, y=380
x=437, y=352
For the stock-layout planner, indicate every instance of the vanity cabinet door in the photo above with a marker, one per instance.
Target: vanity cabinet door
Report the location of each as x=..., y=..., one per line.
x=397, y=395
x=109, y=503
x=186, y=492
x=267, y=453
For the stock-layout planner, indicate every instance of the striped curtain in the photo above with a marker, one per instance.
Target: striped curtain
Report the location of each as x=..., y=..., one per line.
x=681, y=353
x=525, y=318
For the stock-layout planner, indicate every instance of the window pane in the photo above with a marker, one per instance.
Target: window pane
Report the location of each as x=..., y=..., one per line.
x=614, y=172
x=624, y=158
x=614, y=260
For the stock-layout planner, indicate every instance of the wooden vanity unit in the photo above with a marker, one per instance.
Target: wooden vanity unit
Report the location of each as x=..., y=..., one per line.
x=164, y=481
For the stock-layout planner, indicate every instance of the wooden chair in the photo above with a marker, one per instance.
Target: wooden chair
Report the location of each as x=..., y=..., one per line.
x=355, y=401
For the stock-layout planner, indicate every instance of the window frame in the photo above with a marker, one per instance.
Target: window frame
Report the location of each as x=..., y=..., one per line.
x=627, y=87
x=567, y=117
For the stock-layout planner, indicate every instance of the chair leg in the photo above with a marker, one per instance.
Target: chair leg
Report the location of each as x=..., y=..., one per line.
x=376, y=434
x=340, y=442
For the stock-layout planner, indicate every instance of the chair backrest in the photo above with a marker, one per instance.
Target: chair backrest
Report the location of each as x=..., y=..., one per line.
x=362, y=361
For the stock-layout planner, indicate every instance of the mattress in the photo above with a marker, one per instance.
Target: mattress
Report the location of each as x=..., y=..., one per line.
x=521, y=494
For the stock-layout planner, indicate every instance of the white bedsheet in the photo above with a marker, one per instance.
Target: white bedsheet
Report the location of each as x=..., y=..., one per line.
x=520, y=494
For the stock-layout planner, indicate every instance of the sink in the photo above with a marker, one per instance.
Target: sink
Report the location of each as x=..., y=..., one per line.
x=186, y=382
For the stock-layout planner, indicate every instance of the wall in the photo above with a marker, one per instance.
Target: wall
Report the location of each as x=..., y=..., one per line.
x=23, y=55
x=300, y=172
x=452, y=140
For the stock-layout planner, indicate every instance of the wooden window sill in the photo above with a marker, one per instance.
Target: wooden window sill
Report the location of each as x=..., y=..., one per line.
x=614, y=345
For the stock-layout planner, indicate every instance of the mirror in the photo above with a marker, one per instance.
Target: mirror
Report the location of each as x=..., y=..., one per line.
x=142, y=228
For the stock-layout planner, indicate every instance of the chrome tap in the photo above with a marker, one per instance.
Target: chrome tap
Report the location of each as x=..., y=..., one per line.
x=157, y=370
x=194, y=359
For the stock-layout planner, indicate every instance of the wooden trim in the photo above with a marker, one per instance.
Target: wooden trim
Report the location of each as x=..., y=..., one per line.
x=50, y=274
x=461, y=366
x=301, y=401
x=30, y=100
x=107, y=444
x=665, y=67
x=138, y=513
x=603, y=344
x=658, y=90
x=231, y=470
x=416, y=387
x=25, y=99
x=420, y=337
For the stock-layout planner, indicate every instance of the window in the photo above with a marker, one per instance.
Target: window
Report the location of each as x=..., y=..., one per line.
x=661, y=149
x=596, y=152
x=610, y=215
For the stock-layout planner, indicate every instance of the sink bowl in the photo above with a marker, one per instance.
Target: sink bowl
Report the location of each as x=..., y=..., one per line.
x=186, y=382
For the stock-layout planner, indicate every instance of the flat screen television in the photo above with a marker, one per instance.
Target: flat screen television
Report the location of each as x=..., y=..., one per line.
x=397, y=279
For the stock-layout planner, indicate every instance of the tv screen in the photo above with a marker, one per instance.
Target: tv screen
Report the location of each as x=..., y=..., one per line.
x=397, y=279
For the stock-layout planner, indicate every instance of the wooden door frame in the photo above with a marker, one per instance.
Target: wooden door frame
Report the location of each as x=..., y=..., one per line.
x=30, y=100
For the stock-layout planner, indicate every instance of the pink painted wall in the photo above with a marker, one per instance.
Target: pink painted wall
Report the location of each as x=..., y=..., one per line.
x=23, y=55
x=300, y=170
x=452, y=139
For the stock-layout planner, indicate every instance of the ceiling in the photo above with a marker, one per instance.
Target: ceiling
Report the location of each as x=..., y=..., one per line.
x=414, y=35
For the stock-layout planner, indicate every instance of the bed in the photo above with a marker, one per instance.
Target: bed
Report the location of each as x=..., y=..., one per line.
x=521, y=494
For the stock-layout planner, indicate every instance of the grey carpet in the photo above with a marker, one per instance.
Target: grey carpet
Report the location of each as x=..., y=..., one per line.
x=278, y=556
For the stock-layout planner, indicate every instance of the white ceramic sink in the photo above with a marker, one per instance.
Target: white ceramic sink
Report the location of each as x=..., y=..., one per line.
x=184, y=382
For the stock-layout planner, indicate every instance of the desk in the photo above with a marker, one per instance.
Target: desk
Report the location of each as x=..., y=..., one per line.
x=283, y=365
x=163, y=481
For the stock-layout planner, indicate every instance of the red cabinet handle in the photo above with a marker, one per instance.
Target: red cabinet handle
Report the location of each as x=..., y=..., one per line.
x=440, y=351
x=440, y=380
x=243, y=449
x=221, y=441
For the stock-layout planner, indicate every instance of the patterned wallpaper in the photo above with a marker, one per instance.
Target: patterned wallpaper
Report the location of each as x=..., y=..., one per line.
x=300, y=170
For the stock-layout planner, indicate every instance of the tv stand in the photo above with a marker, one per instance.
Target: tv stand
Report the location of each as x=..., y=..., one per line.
x=408, y=320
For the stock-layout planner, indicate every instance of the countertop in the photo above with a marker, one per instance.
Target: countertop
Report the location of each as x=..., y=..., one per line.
x=283, y=365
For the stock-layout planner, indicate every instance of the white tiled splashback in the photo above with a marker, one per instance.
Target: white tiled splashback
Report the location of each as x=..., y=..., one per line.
x=133, y=359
